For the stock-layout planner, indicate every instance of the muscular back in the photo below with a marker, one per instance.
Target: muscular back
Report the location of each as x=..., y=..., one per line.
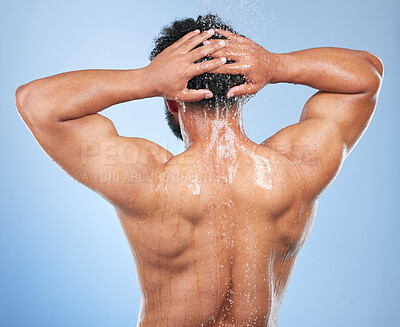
x=214, y=231
x=220, y=237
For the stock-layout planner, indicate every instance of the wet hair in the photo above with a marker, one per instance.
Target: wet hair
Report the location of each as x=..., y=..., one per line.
x=218, y=84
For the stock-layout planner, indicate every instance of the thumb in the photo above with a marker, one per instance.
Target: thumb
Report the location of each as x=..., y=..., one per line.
x=243, y=89
x=194, y=95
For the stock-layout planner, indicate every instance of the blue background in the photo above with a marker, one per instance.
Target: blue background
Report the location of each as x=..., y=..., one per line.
x=64, y=260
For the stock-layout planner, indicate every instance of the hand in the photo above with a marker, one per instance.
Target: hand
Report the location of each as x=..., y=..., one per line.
x=251, y=60
x=171, y=70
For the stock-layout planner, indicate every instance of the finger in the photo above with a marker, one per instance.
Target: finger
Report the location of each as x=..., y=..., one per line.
x=241, y=90
x=231, y=44
x=186, y=37
x=194, y=95
x=196, y=40
x=231, y=36
x=205, y=50
x=229, y=54
x=233, y=49
x=232, y=69
x=206, y=66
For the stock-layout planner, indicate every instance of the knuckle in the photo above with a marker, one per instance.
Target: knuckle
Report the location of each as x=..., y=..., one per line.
x=205, y=51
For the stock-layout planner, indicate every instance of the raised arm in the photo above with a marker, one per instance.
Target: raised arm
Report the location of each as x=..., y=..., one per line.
x=332, y=120
x=62, y=113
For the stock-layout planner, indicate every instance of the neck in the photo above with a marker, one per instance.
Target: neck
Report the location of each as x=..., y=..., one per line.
x=211, y=126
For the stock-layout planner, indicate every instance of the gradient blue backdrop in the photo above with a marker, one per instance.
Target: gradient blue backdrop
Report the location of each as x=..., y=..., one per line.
x=64, y=260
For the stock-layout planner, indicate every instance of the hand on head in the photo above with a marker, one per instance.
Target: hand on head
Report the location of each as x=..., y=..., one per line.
x=174, y=67
x=251, y=60
x=171, y=70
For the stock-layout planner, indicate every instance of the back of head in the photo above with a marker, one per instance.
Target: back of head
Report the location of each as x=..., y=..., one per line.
x=218, y=84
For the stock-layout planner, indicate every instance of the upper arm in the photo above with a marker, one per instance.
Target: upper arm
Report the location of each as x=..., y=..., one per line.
x=329, y=128
x=91, y=151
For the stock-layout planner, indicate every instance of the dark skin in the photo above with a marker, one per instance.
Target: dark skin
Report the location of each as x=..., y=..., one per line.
x=215, y=251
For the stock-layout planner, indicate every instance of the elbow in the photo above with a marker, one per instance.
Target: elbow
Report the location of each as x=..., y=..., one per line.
x=376, y=62
x=21, y=95
x=26, y=100
x=377, y=71
x=23, y=102
x=25, y=96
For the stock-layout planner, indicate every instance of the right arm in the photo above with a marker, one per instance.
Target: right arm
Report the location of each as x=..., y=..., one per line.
x=332, y=120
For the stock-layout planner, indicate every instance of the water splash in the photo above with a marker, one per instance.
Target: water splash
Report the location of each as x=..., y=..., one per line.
x=250, y=18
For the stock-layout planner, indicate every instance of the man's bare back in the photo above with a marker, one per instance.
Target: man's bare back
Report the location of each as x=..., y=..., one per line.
x=216, y=242
x=215, y=230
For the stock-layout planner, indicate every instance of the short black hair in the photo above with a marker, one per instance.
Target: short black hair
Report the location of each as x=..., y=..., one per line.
x=218, y=84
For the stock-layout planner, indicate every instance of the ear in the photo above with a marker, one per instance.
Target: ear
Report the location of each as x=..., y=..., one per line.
x=172, y=106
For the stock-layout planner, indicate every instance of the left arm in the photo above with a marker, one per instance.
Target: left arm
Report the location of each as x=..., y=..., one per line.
x=62, y=113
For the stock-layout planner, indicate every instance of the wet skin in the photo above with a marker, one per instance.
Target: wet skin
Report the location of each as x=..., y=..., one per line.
x=215, y=230
x=218, y=236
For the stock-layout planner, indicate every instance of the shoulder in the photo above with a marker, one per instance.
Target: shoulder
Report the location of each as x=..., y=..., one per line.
x=135, y=148
x=141, y=163
x=312, y=152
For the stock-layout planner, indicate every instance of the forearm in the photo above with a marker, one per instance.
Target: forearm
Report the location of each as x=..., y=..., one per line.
x=334, y=70
x=80, y=93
